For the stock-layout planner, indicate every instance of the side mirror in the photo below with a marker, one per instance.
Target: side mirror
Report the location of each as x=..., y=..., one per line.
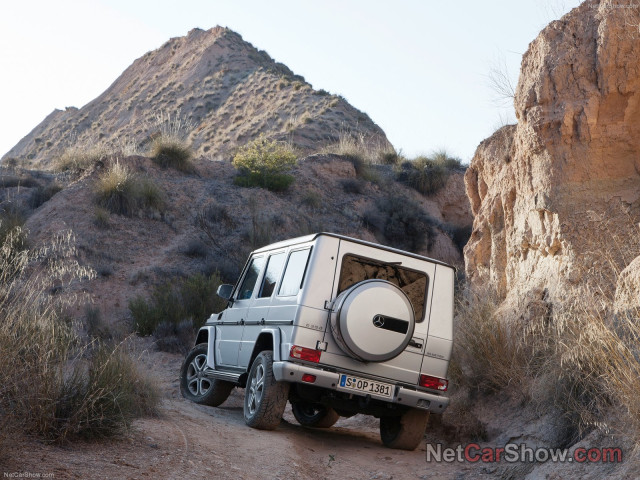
x=224, y=291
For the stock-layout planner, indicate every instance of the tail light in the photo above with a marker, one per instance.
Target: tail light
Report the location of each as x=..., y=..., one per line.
x=435, y=383
x=307, y=377
x=302, y=353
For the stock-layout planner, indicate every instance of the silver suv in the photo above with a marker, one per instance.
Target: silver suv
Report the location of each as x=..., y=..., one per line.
x=336, y=326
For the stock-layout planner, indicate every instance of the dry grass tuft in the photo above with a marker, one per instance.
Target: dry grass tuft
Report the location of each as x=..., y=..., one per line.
x=52, y=383
x=170, y=147
x=364, y=149
x=81, y=157
x=120, y=191
x=581, y=358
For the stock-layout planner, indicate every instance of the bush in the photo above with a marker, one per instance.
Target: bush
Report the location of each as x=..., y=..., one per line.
x=43, y=194
x=193, y=299
x=80, y=157
x=265, y=163
x=402, y=223
x=121, y=192
x=312, y=199
x=577, y=357
x=351, y=185
x=428, y=175
x=171, y=151
x=52, y=383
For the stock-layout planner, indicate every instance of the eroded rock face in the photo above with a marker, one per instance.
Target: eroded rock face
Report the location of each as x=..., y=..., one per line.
x=556, y=198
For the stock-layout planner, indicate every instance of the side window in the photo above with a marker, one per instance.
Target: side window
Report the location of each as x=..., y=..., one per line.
x=250, y=279
x=294, y=273
x=272, y=274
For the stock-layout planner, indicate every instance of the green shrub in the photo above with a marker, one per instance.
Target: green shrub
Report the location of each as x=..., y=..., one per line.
x=172, y=151
x=265, y=163
x=120, y=191
x=428, y=175
x=192, y=299
x=402, y=223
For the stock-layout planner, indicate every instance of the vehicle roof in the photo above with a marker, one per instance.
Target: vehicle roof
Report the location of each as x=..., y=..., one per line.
x=309, y=238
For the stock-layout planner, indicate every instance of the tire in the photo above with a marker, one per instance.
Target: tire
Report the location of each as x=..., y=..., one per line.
x=314, y=415
x=264, y=397
x=195, y=386
x=404, y=432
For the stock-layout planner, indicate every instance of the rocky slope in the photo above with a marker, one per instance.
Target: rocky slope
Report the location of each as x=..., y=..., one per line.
x=223, y=90
x=556, y=198
x=131, y=254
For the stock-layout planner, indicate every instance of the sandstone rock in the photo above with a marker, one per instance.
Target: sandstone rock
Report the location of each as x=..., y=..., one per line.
x=556, y=198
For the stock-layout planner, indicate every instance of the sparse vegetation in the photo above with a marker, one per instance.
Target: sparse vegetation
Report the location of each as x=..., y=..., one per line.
x=192, y=299
x=120, y=191
x=169, y=146
x=41, y=195
x=578, y=357
x=312, y=199
x=101, y=218
x=172, y=152
x=352, y=185
x=52, y=383
x=429, y=174
x=363, y=150
x=402, y=223
x=265, y=163
x=80, y=157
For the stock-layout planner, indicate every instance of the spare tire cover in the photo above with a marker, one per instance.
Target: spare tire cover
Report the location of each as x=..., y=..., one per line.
x=372, y=320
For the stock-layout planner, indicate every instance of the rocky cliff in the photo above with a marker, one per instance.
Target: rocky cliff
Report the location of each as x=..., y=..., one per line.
x=556, y=198
x=224, y=91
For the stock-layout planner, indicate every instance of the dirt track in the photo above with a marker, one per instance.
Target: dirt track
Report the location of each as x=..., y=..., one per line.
x=191, y=441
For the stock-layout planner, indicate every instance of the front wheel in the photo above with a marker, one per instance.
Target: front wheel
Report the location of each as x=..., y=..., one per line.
x=197, y=387
x=314, y=415
x=264, y=397
x=404, y=432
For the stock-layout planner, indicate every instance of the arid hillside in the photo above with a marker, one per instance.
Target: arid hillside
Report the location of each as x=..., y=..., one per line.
x=224, y=91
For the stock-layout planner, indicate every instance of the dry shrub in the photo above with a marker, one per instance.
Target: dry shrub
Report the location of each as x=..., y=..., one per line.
x=122, y=192
x=581, y=358
x=170, y=147
x=364, y=149
x=80, y=157
x=429, y=174
x=52, y=383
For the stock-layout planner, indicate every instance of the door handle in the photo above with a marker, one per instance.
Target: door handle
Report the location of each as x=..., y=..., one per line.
x=242, y=321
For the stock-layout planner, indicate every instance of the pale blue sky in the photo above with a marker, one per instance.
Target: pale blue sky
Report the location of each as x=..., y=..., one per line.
x=418, y=67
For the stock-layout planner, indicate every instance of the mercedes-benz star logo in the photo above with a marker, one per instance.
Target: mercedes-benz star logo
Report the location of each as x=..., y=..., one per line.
x=378, y=321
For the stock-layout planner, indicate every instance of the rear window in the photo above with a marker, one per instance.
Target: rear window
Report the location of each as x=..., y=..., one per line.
x=294, y=273
x=357, y=269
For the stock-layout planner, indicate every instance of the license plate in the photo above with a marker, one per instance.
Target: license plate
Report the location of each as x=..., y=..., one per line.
x=365, y=386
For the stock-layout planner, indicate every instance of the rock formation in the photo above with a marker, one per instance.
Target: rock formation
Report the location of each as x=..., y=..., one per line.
x=556, y=198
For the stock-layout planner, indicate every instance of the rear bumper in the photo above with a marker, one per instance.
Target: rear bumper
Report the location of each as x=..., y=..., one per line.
x=292, y=372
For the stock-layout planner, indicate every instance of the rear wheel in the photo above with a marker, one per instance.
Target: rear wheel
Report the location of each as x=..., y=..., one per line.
x=264, y=397
x=197, y=387
x=404, y=432
x=314, y=415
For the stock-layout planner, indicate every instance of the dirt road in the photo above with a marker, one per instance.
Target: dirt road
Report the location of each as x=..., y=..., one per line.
x=189, y=441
